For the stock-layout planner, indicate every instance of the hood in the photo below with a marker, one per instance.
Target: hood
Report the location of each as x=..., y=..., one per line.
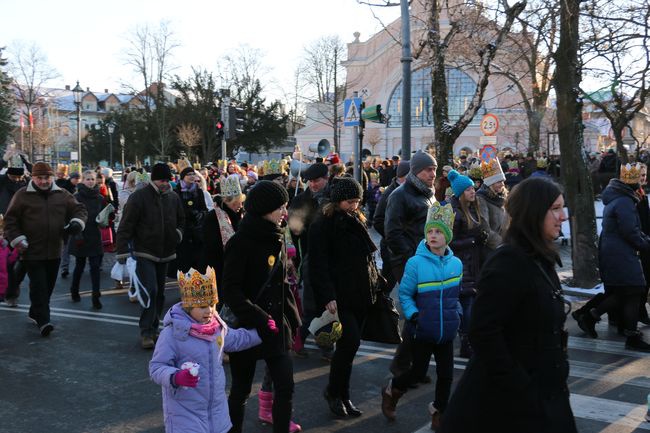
x=616, y=189
x=423, y=251
x=179, y=319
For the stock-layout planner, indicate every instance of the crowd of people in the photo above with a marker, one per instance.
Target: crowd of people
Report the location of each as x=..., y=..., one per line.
x=262, y=254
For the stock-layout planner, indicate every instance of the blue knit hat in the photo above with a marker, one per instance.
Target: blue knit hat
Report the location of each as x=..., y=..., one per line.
x=459, y=183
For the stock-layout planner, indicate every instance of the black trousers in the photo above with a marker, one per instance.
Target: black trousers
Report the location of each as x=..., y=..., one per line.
x=242, y=369
x=444, y=356
x=42, y=278
x=152, y=275
x=17, y=272
x=625, y=300
x=346, y=350
x=80, y=264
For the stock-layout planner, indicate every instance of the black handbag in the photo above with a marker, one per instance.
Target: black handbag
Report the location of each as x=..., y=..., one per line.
x=381, y=324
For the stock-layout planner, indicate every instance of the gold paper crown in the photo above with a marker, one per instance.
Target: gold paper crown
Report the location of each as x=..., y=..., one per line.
x=142, y=178
x=513, y=164
x=198, y=290
x=62, y=168
x=274, y=167
x=182, y=164
x=374, y=176
x=230, y=186
x=491, y=168
x=441, y=217
x=631, y=174
x=542, y=162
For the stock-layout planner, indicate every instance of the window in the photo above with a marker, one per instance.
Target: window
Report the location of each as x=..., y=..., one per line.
x=460, y=88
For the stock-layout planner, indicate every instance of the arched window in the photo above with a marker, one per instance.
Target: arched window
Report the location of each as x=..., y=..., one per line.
x=460, y=88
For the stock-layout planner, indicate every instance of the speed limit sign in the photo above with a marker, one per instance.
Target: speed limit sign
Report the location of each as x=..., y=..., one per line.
x=489, y=124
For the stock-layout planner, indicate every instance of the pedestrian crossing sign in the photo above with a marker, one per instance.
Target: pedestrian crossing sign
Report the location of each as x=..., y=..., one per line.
x=351, y=111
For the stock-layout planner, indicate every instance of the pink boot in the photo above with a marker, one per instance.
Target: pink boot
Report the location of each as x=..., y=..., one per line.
x=265, y=414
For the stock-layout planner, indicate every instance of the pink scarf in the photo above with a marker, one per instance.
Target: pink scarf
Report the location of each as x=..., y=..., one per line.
x=206, y=331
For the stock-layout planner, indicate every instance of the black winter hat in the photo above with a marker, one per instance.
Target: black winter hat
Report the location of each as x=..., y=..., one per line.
x=185, y=172
x=315, y=171
x=345, y=188
x=161, y=171
x=265, y=197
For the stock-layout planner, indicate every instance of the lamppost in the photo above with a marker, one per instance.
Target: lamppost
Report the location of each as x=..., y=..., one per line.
x=78, y=93
x=122, y=146
x=111, y=129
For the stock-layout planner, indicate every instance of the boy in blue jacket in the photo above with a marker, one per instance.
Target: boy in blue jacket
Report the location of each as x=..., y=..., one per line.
x=428, y=293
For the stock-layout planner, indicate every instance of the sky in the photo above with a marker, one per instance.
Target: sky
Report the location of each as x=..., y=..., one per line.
x=87, y=40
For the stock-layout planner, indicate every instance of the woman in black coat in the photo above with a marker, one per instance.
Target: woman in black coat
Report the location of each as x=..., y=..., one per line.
x=88, y=244
x=516, y=380
x=644, y=215
x=189, y=253
x=343, y=277
x=255, y=289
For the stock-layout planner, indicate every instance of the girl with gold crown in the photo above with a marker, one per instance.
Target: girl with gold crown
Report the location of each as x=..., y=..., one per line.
x=187, y=362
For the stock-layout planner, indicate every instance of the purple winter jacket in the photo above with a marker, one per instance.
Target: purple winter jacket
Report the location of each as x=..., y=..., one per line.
x=203, y=409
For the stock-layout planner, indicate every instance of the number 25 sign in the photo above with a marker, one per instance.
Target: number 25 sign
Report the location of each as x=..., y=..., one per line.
x=489, y=124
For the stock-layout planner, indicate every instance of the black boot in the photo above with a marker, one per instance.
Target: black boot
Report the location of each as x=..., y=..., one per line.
x=335, y=404
x=351, y=409
x=635, y=342
x=74, y=295
x=587, y=322
x=96, y=304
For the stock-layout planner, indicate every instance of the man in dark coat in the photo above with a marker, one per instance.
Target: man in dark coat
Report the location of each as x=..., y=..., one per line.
x=406, y=215
x=150, y=229
x=190, y=252
x=38, y=216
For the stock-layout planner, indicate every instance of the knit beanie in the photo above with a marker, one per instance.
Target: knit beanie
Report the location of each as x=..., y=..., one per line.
x=403, y=168
x=42, y=169
x=265, y=197
x=442, y=218
x=345, y=188
x=161, y=171
x=186, y=171
x=459, y=182
x=421, y=160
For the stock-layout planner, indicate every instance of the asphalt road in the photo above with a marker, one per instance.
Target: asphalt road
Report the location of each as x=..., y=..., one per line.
x=91, y=375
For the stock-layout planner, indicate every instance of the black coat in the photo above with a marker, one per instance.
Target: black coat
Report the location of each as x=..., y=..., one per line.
x=213, y=244
x=406, y=214
x=340, y=262
x=467, y=246
x=7, y=190
x=644, y=216
x=189, y=253
x=249, y=257
x=516, y=380
x=89, y=242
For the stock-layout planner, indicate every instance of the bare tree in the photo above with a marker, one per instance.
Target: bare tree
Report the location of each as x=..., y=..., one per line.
x=30, y=69
x=575, y=174
x=528, y=63
x=242, y=70
x=616, y=49
x=373, y=138
x=189, y=135
x=323, y=76
x=149, y=53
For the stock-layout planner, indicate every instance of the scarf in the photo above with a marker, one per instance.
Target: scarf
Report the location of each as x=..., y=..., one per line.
x=206, y=331
x=187, y=186
x=226, y=229
x=419, y=185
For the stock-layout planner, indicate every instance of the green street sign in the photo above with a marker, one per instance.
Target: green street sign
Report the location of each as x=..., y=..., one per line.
x=373, y=114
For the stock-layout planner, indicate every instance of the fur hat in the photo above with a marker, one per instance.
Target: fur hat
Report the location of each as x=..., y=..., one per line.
x=265, y=197
x=161, y=171
x=345, y=188
x=459, y=182
x=421, y=160
x=42, y=169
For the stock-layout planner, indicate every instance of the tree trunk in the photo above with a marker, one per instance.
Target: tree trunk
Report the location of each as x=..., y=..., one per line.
x=534, y=130
x=575, y=175
x=620, y=148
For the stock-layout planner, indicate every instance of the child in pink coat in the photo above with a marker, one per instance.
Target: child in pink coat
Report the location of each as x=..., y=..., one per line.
x=7, y=257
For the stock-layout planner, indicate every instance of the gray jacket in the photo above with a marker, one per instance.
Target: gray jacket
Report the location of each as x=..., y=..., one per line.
x=492, y=210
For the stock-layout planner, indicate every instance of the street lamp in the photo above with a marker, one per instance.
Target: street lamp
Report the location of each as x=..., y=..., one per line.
x=78, y=93
x=122, y=146
x=111, y=129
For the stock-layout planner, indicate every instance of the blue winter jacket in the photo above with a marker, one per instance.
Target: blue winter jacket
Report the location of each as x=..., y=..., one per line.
x=430, y=287
x=621, y=238
x=203, y=409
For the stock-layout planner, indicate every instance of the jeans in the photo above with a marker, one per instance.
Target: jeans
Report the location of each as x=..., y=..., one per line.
x=17, y=272
x=242, y=369
x=444, y=356
x=152, y=275
x=65, y=254
x=346, y=350
x=42, y=277
x=80, y=264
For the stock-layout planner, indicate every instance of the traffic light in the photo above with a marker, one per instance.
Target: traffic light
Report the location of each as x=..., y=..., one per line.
x=373, y=114
x=236, y=118
x=220, y=128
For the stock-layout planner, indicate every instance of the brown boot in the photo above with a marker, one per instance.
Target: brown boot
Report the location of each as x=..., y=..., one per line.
x=389, y=398
x=435, y=417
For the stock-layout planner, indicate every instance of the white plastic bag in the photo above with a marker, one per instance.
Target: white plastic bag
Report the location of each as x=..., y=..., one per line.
x=137, y=290
x=118, y=272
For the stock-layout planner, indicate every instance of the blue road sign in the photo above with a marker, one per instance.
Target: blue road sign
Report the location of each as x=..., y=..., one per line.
x=351, y=112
